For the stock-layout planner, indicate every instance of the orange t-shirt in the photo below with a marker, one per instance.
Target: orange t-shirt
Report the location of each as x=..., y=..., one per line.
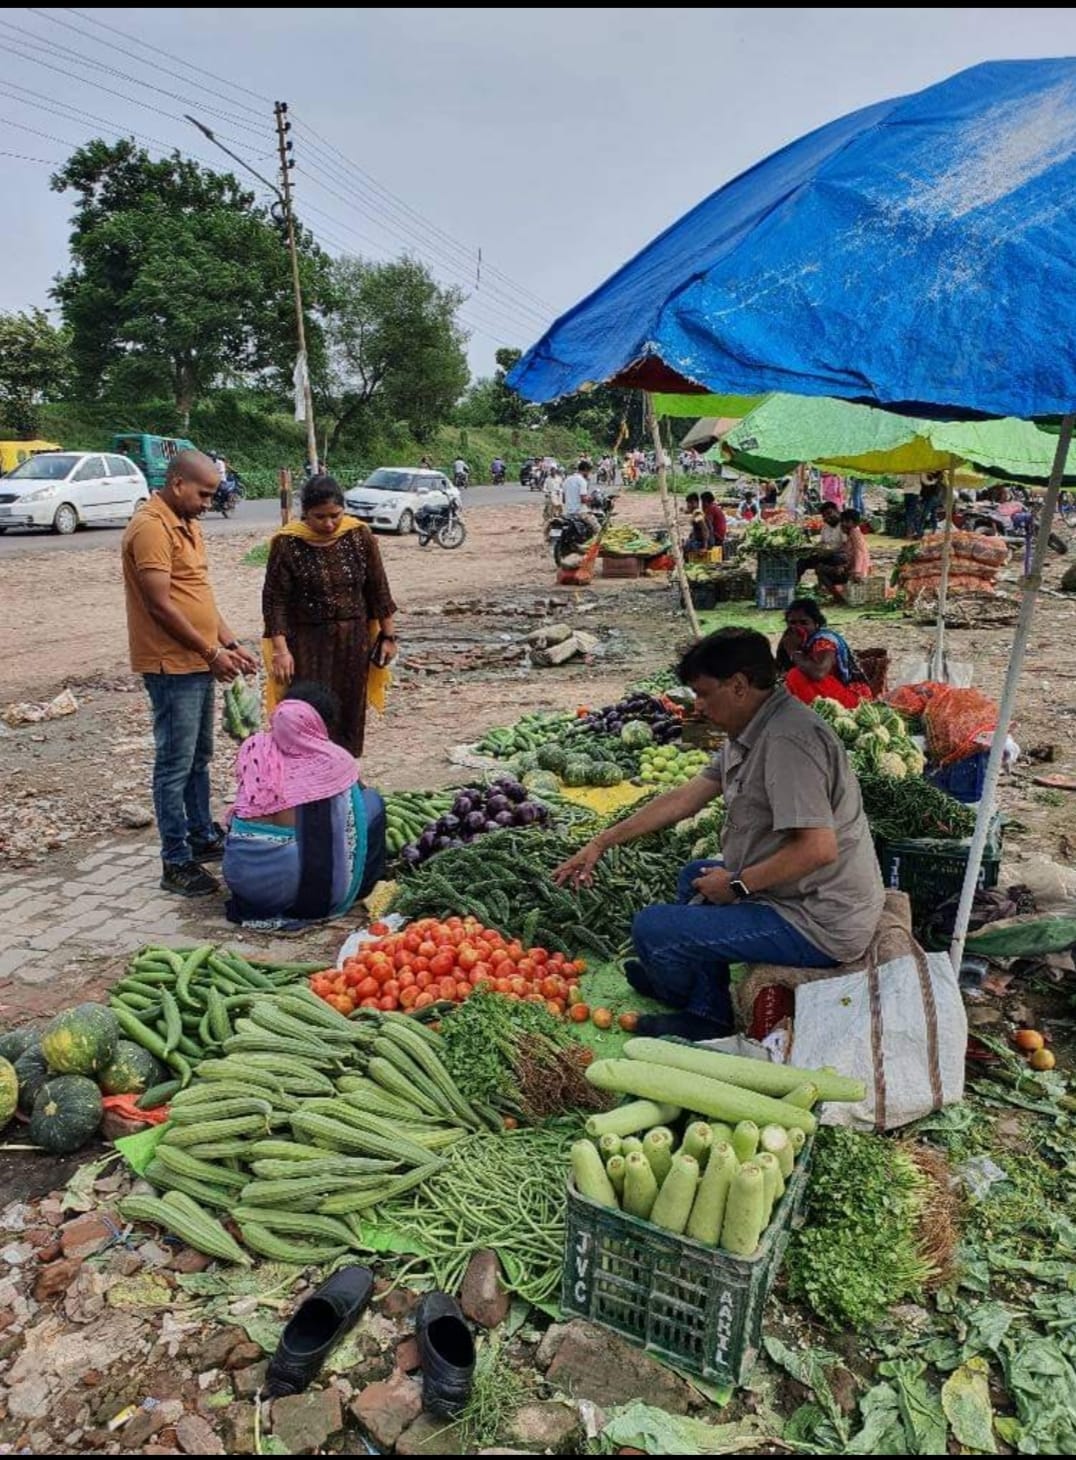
x=156, y=538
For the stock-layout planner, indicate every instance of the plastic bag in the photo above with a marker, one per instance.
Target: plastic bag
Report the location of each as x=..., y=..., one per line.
x=1052, y=886
x=955, y=721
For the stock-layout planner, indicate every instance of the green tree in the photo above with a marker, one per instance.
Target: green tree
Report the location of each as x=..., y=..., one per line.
x=34, y=364
x=178, y=278
x=396, y=351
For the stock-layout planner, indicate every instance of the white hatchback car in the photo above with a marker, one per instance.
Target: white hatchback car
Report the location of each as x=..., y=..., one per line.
x=69, y=489
x=391, y=495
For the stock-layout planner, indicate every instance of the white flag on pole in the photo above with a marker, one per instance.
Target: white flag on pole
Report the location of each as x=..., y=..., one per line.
x=299, y=380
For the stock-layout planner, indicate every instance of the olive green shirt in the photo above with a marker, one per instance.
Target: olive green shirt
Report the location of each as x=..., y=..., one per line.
x=787, y=771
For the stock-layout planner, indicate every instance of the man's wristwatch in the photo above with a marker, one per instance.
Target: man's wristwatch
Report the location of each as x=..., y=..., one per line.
x=739, y=889
x=233, y=645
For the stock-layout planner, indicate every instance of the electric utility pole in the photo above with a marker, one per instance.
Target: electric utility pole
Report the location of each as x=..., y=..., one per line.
x=283, y=127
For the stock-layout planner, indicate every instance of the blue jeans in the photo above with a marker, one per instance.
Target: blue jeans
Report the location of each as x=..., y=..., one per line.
x=183, y=737
x=686, y=951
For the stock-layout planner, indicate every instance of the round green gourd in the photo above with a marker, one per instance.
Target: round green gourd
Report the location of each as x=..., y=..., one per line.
x=551, y=757
x=16, y=1042
x=9, y=1091
x=67, y=1113
x=31, y=1071
x=637, y=734
x=82, y=1040
x=577, y=770
x=132, y=1070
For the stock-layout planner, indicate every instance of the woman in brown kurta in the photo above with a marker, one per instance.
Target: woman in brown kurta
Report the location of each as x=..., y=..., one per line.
x=324, y=583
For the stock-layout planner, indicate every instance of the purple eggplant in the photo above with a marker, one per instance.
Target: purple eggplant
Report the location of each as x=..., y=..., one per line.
x=443, y=843
x=497, y=803
x=526, y=814
x=462, y=806
x=515, y=792
x=492, y=826
x=475, y=821
x=411, y=855
x=505, y=818
x=427, y=841
x=449, y=824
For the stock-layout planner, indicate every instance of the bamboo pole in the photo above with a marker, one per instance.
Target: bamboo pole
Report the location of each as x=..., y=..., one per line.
x=937, y=670
x=1031, y=586
x=670, y=516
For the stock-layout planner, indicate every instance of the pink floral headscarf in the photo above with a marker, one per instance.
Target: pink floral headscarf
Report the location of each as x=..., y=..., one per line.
x=291, y=764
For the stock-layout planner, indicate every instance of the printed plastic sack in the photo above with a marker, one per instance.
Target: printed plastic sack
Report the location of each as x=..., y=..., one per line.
x=900, y=1027
x=956, y=722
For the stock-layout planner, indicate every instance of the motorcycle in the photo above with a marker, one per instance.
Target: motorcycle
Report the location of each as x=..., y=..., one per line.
x=462, y=480
x=498, y=475
x=227, y=495
x=1017, y=522
x=571, y=533
x=440, y=522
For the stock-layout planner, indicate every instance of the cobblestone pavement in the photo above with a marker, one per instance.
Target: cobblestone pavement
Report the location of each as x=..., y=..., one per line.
x=68, y=927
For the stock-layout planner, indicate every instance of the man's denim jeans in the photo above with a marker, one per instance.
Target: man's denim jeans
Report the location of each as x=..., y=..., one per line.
x=686, y=951
x=183, y=736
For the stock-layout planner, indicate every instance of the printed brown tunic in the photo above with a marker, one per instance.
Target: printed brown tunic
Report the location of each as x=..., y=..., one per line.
x=320, y=599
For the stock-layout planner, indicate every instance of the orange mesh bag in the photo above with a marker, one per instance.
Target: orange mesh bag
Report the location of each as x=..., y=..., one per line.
x=954, y=721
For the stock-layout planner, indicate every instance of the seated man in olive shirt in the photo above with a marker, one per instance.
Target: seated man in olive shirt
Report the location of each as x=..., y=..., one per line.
x=798, y=883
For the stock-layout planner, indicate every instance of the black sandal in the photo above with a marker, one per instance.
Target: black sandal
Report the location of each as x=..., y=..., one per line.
x=315, y=1329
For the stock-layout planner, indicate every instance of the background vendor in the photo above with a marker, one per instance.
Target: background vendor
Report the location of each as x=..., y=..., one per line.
x=817, y=660
x=799, y=882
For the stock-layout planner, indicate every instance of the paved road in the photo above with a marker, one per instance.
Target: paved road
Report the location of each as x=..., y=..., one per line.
x=261, y=513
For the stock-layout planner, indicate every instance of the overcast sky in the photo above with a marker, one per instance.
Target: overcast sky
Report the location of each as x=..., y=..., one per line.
x=559, y=141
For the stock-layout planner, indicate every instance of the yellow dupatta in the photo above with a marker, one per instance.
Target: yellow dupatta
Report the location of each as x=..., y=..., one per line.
x=377, y=679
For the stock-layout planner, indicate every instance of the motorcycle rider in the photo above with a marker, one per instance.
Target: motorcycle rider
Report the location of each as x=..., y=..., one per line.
x=461, y=472
x=576, y=488
x=498, y=471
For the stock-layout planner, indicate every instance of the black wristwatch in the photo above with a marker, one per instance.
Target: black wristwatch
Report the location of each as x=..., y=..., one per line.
x=233, y=645
x=739, y=889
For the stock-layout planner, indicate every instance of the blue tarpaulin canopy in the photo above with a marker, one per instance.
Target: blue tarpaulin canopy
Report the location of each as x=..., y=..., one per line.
x=916, y=254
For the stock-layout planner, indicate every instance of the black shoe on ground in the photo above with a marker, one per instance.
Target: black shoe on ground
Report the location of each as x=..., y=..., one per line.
x=187, y=879
x=316, y=1327
x=446, y=1350
x=681, y=1026
x=213, y=850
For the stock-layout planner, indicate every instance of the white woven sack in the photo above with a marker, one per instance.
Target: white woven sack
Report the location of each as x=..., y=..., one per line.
x=900, y=1028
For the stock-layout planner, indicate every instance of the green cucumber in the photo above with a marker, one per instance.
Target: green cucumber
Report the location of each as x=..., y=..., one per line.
x=744, y=1211
x=672, y=1208
x=708, y=1213
x=589, y=1175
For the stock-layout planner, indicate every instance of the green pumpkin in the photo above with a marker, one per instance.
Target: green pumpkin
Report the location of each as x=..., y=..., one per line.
x=66, y=1114
x=577, y=770
x=81, y=1041
x=31, y=1070
x=552, y=757
x=607, y=774
x=9, y=1091
x=16, y=1042
x=133, y=1070
x=637, y=734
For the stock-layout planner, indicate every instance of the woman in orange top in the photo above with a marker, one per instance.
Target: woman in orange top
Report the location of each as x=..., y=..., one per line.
x=817, y=660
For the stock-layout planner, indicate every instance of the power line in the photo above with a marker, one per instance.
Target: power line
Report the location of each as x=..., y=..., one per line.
x=468, y=252
x=20, y=157
x=56, y=51
x=200, y=71
x=491, y=271
x=30, y=98
x=373, y=212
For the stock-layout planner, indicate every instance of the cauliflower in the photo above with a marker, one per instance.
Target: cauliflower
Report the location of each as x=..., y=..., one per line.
x=847, y=729
x=890, y=764
x=830, y=710
x=915, y=761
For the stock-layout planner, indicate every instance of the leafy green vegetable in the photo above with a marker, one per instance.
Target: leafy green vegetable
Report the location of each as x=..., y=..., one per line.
x=809, y=1367
x=920, y=1406
x=965, y=1398
x=857, y=1252
x=883, y=1429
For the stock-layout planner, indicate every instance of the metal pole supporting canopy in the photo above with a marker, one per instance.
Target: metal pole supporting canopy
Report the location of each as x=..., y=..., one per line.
x=1031, y=586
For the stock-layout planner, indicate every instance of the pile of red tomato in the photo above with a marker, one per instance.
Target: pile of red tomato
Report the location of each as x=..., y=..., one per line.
x=432, y=962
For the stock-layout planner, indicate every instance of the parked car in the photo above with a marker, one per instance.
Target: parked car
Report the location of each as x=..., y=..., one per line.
x=151, y=454
x=391, y=495
x=69, y=489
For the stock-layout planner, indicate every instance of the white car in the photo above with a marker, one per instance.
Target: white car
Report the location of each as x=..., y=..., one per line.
x=65, y=490
x=391, y=495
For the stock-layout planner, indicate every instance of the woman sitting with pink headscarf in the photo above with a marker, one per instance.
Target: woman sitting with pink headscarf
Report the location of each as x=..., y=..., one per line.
x=306, y=840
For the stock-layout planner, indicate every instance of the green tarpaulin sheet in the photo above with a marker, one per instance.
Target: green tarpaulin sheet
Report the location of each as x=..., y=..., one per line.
x=786, y=429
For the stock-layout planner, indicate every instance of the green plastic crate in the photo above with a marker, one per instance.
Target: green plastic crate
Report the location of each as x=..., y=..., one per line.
x=692, y=1305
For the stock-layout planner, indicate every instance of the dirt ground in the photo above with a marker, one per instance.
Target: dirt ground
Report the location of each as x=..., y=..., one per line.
x=462, y=614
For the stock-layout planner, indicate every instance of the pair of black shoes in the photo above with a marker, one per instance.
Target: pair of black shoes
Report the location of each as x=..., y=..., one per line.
x=445, y=1345
x=190, y=879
